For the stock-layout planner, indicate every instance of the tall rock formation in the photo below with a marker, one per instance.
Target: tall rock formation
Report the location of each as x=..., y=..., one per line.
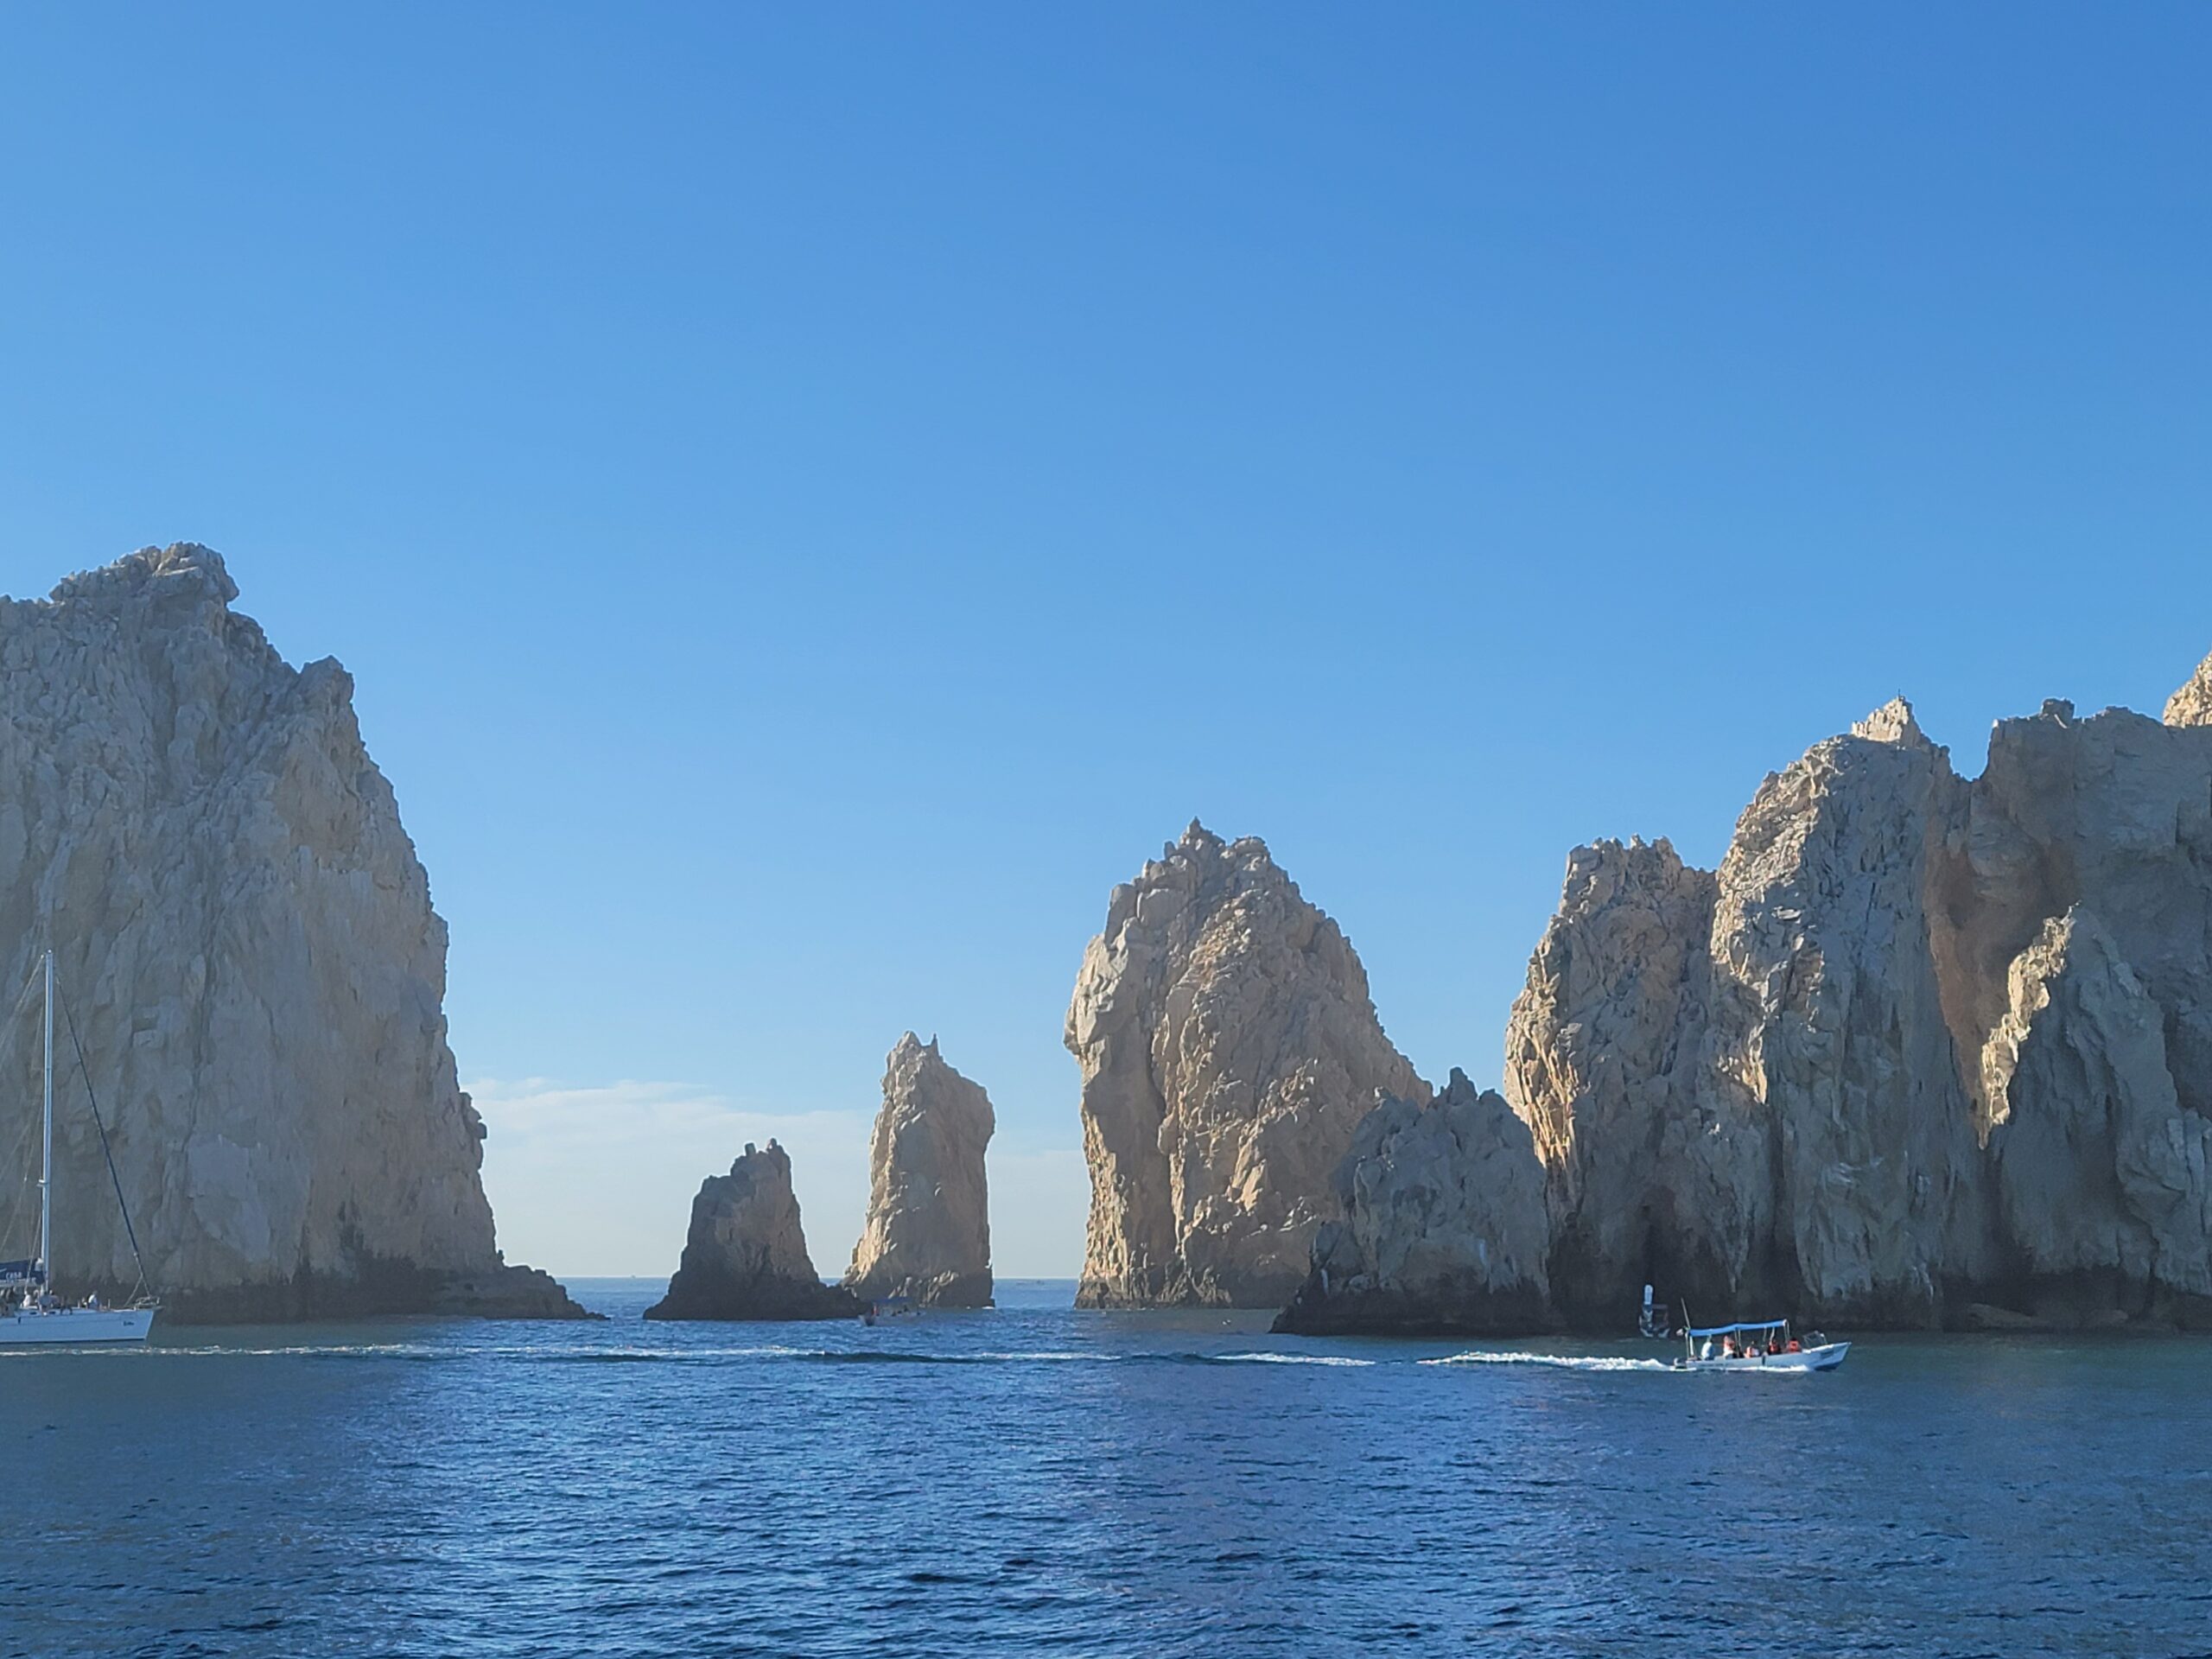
x=2101, y=1174
x=1921, y=1044
x=1444, y=1228
x=1601, y=1057
x=745, y=1256
x=2192, y=704
x=928, y=1231
x=246, y=948
x=1229, y=1049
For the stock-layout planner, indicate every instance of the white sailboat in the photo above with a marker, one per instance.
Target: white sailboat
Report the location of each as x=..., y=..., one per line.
x=31, y=1312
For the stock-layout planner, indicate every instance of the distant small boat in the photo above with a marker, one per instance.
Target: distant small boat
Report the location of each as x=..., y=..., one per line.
x=891, y=1307
x=1756, y=1345
x=29, y=1311
x=1650, y=1323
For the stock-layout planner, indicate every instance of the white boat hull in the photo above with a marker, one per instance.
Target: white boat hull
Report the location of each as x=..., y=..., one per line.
x=1826, y=1358
x=19, y=1327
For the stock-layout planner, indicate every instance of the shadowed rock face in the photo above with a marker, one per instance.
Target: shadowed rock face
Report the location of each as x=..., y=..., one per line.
x=1228, y=1048
x=745, y=1257
x=928, y=1232
x=245, y=945
x=1597, y=1065
x=1919, y=1045
x=1444, y=1228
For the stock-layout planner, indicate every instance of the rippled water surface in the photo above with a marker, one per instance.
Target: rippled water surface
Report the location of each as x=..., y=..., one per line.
x=1036, y=1480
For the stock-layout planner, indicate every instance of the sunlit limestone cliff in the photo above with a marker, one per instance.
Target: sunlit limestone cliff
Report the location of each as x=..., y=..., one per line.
x=1443, y=1227
x=1228, y=1048
x=1922, y=1050
x=928, y=1233
x=245, y=947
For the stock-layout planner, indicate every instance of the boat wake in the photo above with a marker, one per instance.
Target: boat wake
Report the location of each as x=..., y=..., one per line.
x=1282, y=1359
x=1562, y=1362
x=631, y=1354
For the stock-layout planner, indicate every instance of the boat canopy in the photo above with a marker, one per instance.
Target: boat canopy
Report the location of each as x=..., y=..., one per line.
x=1731, y=1330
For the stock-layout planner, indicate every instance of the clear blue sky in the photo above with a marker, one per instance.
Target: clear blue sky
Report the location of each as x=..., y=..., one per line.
x=812, y=497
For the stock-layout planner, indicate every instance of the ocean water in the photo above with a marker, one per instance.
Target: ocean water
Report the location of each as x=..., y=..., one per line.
x=1034, y=1480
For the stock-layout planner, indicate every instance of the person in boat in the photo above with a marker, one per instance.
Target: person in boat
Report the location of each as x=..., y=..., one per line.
x=1728, y=1348
x=1705, y=1352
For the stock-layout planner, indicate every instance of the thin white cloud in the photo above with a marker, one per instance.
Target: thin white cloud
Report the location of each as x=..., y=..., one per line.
x=588, y=1179
x=599, y=1179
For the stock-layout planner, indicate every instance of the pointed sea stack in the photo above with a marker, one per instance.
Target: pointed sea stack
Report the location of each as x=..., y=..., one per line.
x=928, y=1233
x=746, y=1256
x=1229, y=1049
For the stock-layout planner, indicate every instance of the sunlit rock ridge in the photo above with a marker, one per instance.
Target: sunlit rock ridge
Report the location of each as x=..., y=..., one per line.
x=1924, y=1050
x=1228, y=1048
x=245, y=945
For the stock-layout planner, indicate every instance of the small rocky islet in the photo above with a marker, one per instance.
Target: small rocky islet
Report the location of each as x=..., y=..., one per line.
x=1923, y=1051
x=927, y=1237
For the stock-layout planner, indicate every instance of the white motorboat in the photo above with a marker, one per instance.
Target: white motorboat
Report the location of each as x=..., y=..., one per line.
x=29, y=1311
x=1756, y=1345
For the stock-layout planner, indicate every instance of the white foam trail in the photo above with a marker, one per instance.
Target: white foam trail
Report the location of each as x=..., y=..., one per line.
x=1564, y=1362
x=1293, y=1359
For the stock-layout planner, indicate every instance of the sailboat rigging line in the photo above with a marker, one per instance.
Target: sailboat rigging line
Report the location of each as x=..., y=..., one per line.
x=17, y=1158
x=86, y=1072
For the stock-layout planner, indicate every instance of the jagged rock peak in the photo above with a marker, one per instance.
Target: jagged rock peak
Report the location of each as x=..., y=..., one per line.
x=244, y=934
x=1893, y=723
x=2192, y=704
x=1443, y=1227
x=1229, y=1047
x=1921, y=1050
x=745, y=1256
x=182, y=568
x=928, y=1231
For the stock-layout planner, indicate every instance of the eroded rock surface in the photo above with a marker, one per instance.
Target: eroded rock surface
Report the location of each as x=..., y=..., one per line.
x=2192, y=704
x=745, y=1256
x=1602, y=1054
x=1228, y=1048
x=245, y=943
x=1443, y=1229
x=928, y=1232
x=1921, y=1050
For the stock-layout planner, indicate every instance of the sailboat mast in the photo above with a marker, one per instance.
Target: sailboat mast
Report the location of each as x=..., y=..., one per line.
x=46, y=1156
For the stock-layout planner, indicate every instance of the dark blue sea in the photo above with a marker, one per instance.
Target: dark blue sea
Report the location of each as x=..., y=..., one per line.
x=1034, y=1480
